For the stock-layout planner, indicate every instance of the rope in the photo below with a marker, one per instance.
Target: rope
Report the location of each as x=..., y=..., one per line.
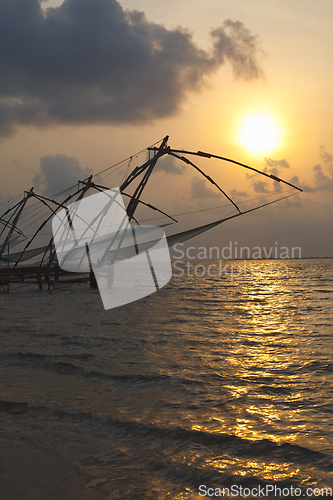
x=126, y=159
x=220, y=206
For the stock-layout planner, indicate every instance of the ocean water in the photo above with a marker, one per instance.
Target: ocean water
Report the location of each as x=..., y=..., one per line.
x=214, y=381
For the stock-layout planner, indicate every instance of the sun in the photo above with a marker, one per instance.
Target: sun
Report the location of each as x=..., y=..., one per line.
x=259, y=133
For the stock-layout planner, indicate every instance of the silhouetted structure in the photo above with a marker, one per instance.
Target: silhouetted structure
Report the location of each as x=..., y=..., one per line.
x=27, y=253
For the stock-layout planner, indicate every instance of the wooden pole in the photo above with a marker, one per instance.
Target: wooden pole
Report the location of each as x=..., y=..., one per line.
x=93, y=282
x=131, y=207
x=8, y=269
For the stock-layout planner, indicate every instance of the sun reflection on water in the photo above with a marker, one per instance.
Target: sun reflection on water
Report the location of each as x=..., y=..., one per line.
x=259, y=347
x=260, y=469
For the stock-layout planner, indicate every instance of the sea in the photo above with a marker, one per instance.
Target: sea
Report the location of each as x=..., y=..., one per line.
x=219, y=385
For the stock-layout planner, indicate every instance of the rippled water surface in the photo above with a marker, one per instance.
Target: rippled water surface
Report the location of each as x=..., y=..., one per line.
x=212, y=380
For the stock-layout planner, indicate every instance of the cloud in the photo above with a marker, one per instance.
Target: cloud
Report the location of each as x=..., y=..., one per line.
x=306, y=188
x=270, y=167
x=260, y=187
x=235, y=42
x=234, y=192
x=199, y=189
x=170, y=165
x=326, y=157
x=89, y=61
x=321, y=181
x=273, y=167
x=58, y=173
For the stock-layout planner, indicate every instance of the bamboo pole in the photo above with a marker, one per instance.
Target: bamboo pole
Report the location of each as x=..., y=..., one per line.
x=8, y=278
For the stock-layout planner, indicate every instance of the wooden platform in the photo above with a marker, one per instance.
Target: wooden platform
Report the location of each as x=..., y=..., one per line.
x=43, y=275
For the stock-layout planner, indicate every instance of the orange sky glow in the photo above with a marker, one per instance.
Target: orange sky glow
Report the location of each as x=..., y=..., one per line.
x=279, y=118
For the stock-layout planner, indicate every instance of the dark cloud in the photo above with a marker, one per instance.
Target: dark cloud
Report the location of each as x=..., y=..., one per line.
x=199, y=189
x=273, y=167
x=270, y=164
x=270, y=167
x=260, y=186
x=57, y=173
x=235, y=42
x=306, y=188
x=90, y=61
x=234, y=192
x=326, y=157
x=321, y=181
x=170, y=165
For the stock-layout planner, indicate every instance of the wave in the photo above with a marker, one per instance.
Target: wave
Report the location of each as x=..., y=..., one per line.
x=13, y=407
x=46, y=361
x=177, y=439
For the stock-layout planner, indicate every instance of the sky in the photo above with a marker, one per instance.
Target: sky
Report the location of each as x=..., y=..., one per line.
x=87, y=83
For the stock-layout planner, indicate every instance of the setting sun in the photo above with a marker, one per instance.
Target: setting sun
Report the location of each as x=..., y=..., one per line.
x=259, y=133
